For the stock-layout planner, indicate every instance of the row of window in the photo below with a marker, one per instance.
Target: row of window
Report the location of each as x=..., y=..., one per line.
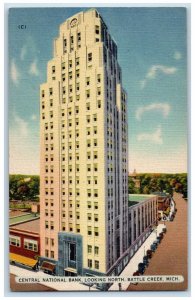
x=90, y=264
x=90, y=249
x=28, y=244
x=70, y=87
x=47, y=253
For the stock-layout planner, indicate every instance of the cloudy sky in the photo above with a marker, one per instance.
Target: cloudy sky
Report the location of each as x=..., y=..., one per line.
x=152, y=54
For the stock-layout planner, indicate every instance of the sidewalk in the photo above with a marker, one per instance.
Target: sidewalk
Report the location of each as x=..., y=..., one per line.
x=74, y=286
x=136, y=259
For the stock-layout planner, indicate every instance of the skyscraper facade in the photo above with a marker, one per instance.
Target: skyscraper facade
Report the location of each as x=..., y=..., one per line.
x=84, y=164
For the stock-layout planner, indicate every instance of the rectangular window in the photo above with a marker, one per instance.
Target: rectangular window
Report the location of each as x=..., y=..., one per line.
x=63, y=226
x=95, y=205
x=31, y=245
x=14, y=240
x=96, y=218
x=89, y=263
x=77, y=73
x=89, y=248
x=98, y=78
x=96, y=250
x=89, y=57
x=63, y=66
x=50, y=91
x=88, y=93
x=96, y=231
x=89, y=230
x=52, y=225
x=88, y=81
x=96, y=264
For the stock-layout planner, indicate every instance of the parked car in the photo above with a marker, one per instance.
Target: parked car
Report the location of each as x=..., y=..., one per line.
x=161, y=235
x=158, y=239
x=141, y=268
x=146, y=260
x=136, y=273
x=164, y=230
x=153, y=247
x=149, y=254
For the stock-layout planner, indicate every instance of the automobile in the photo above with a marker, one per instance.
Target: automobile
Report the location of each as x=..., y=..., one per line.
x=164, y=230
x=158, y=239
x=136, y=273
x=161, y=235
x=141, y=268
x=156, y=243
x=149, y=253
x=153, y=247
x=146, y=260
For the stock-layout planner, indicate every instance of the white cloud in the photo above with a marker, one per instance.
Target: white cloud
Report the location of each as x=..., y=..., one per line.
x=162, y=107
x=177, y=55
x=23, y=52
x=33, y=70
x=154, y=70
x=154, y=138
x=15, y=74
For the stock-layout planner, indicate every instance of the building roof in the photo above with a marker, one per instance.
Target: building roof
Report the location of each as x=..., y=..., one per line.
x=32, y=226
x=137, y=198
x=22, y=218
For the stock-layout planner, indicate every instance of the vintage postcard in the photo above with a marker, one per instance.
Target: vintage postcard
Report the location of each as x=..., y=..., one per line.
x=98, y=149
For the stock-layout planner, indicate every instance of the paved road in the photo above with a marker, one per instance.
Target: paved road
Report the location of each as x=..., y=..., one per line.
x=171, y=255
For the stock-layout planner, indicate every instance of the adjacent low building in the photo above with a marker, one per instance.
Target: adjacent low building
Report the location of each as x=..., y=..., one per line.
x=24, y=240
x=142, y=214
x=164, y=205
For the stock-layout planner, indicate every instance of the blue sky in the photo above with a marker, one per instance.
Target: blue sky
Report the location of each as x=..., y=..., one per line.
x=152, y=53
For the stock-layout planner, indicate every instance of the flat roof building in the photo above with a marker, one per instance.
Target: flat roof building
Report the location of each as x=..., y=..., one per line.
x=24, y=240
x=142, y=218
x=84, y=176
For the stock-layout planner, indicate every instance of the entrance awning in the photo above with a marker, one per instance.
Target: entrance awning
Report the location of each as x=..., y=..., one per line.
x=71, y=270
x=22, y=260
x=48, y=266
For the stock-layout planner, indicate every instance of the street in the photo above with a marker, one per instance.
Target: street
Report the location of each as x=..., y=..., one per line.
x=170, y=257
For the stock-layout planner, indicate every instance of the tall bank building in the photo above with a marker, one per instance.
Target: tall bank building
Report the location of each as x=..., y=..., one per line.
x=84, y=153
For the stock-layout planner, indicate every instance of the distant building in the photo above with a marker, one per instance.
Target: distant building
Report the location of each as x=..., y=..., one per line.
x=164, y=204
x=164, y=200
x=135, y=179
